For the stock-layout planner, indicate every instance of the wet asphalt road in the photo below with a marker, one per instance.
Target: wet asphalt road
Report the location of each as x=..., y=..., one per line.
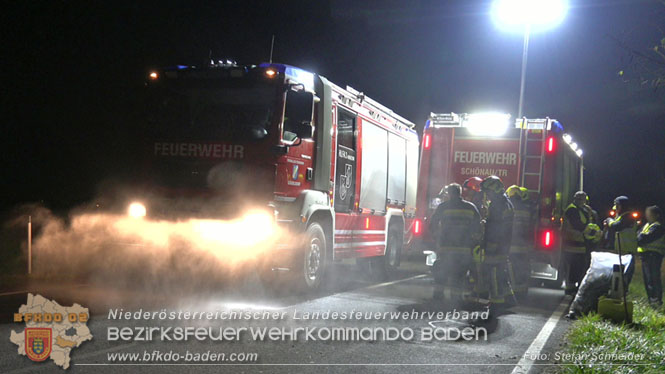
x=509, y=335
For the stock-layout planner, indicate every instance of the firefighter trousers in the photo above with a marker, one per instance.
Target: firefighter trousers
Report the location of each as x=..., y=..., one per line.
x=451, y=269
x=575, y=264
x=495, y=275
x=520, y=271
x=651, y=262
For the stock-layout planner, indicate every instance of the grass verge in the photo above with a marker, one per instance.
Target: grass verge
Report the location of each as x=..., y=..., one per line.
x=595, y=345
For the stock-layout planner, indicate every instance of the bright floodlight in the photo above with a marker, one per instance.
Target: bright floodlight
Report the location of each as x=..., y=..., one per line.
x=515, y=15
x=579, y=152
x=488, y=124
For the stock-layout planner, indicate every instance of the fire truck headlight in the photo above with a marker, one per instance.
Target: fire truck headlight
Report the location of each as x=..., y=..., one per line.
x=250, y=230
x=259, y=222
x=136, y=210
x=255, y=227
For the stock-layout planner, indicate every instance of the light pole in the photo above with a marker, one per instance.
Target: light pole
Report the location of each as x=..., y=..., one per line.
x=527, y=16
x=525, y=53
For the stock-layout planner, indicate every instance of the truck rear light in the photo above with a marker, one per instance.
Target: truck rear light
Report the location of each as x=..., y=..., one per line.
x=550, y=144
x=548, y=238
x=417, y=227
x=428, y=141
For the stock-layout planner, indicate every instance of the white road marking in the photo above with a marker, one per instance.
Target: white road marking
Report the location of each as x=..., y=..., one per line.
x=527, y=361
x=393, y=282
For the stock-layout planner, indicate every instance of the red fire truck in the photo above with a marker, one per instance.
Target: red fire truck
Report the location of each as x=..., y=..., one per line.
x=533, y=153
x=331, y=167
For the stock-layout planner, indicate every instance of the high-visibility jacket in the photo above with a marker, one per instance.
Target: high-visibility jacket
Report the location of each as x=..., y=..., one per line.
x=625, y=234
x=522, y=238
x=651, y=238
x=498, y=227
x=575, y=221
x=456, y=222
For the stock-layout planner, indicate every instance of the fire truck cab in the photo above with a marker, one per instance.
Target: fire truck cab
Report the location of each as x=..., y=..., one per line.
x=532, y=153
x=334, y=170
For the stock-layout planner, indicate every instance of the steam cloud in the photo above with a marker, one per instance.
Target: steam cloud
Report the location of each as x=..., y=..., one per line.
x=146, y=254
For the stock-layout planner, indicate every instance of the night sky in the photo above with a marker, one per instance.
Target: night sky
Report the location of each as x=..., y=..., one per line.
x=72, y=73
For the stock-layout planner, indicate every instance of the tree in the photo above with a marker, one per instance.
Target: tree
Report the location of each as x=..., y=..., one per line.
x=644, y=66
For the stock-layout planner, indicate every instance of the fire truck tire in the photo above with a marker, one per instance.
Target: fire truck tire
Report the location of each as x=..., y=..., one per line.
x=379, y=268
x=310, y=266
x=394, y=246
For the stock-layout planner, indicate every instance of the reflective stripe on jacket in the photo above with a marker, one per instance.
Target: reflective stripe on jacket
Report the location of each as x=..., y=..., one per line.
x=522, y=239
x=653, y=245
x=626, y=235
x=573, y=237
x=457, y=224
x=499, y=226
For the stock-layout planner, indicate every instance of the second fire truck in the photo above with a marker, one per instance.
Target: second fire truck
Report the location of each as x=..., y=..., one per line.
x=534, y=153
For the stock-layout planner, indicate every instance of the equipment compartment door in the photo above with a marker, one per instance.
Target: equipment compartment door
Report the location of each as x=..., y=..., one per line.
x=345, y=172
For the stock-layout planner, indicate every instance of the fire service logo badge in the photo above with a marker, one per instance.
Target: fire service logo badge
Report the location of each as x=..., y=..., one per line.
x=38, y=343
x=51, y=330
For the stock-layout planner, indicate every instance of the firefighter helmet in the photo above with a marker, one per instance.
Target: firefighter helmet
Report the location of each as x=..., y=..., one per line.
x=592, y=233
x=473, y=183
x=623, y=201
x=492, y=183
x=513, y=190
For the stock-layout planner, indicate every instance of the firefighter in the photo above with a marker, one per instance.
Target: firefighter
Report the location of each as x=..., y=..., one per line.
x=592, y=233
x=621, y=232
x=576, y=258
x=497, y=239
x=473, y=194
x=592, y=212
x=456, y=224
x=522, y=239
x=651, y=241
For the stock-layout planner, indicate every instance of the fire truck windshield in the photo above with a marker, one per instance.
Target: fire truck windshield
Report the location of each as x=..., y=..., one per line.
x=226, y=112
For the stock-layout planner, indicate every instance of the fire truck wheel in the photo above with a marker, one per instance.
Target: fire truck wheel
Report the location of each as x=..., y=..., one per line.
x=311, y=265
x=379, y=268
x=393, y=248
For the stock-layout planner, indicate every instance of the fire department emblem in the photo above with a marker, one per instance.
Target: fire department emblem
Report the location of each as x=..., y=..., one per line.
x=294, y=173
x=38, y=343
x=345, y=181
